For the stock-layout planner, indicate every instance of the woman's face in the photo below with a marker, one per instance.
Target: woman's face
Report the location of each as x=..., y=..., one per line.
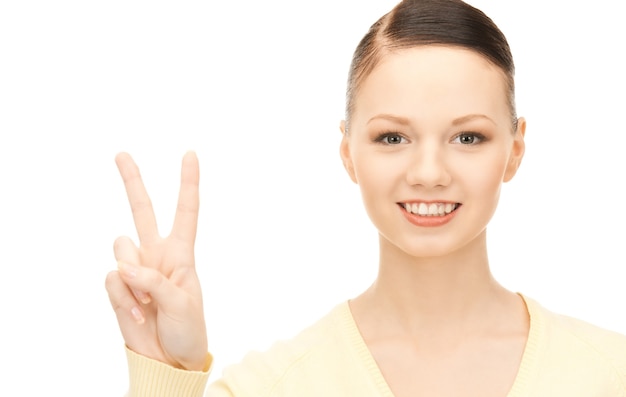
x=430, y=144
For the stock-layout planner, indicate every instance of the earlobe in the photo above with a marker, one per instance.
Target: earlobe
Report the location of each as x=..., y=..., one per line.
x=517, y=152
x=344, y=152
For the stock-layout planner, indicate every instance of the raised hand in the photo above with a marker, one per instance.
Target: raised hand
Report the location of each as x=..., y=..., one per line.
x=155, y=292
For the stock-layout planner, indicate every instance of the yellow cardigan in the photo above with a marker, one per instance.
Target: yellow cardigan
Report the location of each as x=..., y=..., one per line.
x=563, y=357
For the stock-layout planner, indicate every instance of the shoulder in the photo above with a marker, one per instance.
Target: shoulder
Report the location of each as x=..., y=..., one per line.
x=578, y=347
x=602, y=341
x=313, y=353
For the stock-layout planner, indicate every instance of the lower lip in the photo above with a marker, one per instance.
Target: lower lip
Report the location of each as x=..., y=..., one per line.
x=428, y=221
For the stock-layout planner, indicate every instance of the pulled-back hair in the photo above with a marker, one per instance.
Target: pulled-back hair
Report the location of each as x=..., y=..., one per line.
x=430, y=22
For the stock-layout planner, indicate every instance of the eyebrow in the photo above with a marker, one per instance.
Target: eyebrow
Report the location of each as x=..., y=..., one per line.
x=390, y=117
x=405, y=121
x=470, y=117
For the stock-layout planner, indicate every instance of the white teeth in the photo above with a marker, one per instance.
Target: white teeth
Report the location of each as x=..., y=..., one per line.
x=432, y=209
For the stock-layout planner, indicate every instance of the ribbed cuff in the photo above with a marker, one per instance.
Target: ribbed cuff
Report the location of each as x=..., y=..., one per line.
x=152, y=378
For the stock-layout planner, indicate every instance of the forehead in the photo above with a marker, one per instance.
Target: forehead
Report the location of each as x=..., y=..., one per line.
x=433, y=81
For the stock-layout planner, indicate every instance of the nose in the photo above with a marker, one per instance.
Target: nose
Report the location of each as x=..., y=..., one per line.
x=428, y=167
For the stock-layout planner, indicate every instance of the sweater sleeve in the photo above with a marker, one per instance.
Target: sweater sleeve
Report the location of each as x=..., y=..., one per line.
x=152, y=378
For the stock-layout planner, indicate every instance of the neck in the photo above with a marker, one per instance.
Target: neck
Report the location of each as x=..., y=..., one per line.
x=436, y=294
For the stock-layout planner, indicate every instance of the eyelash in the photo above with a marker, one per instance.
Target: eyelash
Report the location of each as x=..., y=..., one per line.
x=382, y=138
x=474, y=135
x=477, y=138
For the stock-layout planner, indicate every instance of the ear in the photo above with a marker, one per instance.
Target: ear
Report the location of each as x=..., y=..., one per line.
x=344, y=152
x=517, y=153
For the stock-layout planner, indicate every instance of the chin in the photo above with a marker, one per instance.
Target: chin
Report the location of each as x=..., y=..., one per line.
x=430, y=247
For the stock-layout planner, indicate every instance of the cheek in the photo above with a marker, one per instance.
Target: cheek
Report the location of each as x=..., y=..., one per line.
x=370, y=176
x=377, y=171
x=379, y=177
x=484, y=174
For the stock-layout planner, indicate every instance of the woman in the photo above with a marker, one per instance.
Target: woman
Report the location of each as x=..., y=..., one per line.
x=430, y=135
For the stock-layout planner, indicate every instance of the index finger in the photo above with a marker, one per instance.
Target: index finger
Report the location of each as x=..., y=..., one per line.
x=186, y=219
x=140, y=204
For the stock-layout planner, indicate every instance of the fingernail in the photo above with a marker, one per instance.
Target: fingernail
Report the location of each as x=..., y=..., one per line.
x=143, y=297
x=128, y=269
x=137, y=315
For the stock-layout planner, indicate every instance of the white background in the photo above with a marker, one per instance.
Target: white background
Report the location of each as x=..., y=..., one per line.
x=257, y=90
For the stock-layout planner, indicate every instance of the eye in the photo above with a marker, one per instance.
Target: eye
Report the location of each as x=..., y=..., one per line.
x=469, y=138
x=390, y=138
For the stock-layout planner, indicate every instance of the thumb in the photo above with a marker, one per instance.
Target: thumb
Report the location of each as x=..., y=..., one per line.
x=150, y=281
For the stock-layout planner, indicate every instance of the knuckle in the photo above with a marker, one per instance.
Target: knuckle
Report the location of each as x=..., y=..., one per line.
x=155, y=279
x=140, y=205
x=115, y=289
x=119, y=294
x=112, y=279
x=119, y=243
x=124, y=248
x=187, y=208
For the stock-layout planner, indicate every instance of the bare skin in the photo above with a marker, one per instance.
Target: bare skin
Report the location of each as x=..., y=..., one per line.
x=431, y=126
x=425, y=340
x=431, y=335
x=435, y=320
x=155, y=292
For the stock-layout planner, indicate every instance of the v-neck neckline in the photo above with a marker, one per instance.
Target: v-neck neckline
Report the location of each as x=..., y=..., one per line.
x=524, y=374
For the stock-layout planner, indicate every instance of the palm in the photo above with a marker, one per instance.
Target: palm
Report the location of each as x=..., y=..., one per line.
x=172, y=329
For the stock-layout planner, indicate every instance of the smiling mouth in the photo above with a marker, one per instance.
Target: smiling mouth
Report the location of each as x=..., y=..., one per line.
x=430, y=209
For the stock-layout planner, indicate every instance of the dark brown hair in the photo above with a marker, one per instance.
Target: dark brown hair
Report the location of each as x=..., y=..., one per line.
x=431, y=22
